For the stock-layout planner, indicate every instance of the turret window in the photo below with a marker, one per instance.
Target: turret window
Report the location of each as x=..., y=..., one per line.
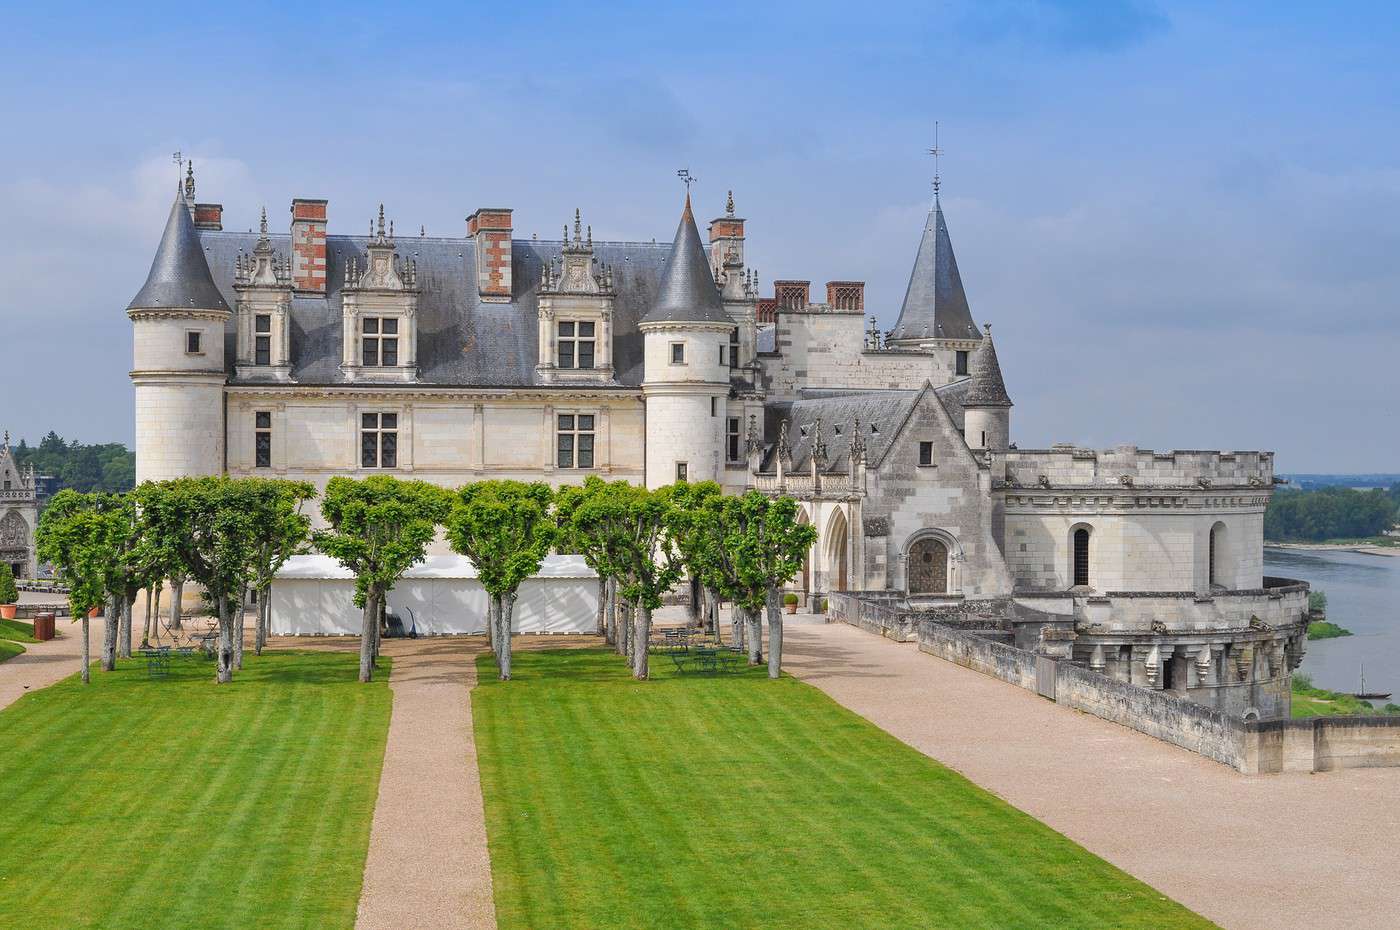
x=575, y=440
x=961, y=362
x=678, y=353
x=262, y=438
x=1081, y=557
x=379, y=440
x=731, y=439
x=682, y=471
x=262, y=339
x=926, y=453
x=577, y=341
x=379, y=342
x=734, y=347
x=192, y=343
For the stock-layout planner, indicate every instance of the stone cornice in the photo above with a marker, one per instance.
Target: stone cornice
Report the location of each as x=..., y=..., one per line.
x=1027, y=500
x=170, y=313
x=683, y=326
x=552, y=394
x=179, y=374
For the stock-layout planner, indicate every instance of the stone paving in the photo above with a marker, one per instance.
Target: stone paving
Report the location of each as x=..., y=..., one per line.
x=42, y=664
x=1264, y=852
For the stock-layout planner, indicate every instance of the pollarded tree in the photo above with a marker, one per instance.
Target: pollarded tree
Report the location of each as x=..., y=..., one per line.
x=379, y=528
x=282, y=532
x=211, y=522
x=685, y=523
x=506, y=529
x=73, y=536
x=573, y=539
x=640, y=551
x=771, y=554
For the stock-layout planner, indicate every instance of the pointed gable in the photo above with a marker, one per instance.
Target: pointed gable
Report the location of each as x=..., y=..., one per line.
x=687, y=293
x=935, y=306
x=179, y=275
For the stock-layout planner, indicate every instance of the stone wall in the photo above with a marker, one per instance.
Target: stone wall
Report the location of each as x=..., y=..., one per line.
x=875, y=612
x=1071, y=466
x=1322, y=744
x=825, y=349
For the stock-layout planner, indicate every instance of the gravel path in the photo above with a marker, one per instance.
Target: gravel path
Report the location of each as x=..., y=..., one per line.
x=42, y=664
x=428, y=867
x=1270, y=851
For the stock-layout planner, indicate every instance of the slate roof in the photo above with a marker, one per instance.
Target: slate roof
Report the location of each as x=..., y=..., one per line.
x=935, y=306
x=687, y=292
x=462, y=341
x=988, y=389
x=179, y=275
x=881, y=414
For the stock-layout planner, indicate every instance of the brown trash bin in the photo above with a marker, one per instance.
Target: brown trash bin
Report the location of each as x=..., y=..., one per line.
x=43, y=627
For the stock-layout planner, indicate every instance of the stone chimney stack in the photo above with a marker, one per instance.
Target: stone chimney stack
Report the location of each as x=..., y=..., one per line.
x=208, y=216
x=792, y=295
x=727, y=236
x=309, y=246
x=846, y=295
x=490, y=227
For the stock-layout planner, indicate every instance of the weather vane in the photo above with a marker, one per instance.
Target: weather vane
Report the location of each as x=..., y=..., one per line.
x=179, y=159
x=935, y=152
x=686, y=178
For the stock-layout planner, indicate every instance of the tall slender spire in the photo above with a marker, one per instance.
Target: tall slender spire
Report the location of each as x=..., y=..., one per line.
x=179, y=275
x=935, y=305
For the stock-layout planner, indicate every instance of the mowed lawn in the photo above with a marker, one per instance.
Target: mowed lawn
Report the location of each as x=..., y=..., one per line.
x=179, y=803
x=735, y=801
x=12, y=633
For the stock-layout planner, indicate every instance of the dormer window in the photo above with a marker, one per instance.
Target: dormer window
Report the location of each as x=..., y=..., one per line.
x=577, y=342
x=262, y=339
x=379, y=343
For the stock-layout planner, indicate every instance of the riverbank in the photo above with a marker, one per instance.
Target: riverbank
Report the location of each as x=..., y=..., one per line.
x=1364, y=548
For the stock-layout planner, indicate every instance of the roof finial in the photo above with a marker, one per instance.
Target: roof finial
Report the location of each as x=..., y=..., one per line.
x=729, y=205
x=189, y=178
x=590, y=235
x=262, y=223
x=987, y=328
x=381, y=221
x=935, y=152
x=578, y=229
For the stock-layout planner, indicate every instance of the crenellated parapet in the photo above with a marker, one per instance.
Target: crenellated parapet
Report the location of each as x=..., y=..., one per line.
x=1128, y=468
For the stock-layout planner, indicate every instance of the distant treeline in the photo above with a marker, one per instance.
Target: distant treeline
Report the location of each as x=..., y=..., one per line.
x=106, y=467
x=1331, y=513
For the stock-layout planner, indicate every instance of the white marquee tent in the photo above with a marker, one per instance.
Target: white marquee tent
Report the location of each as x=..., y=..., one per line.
x=313, y=595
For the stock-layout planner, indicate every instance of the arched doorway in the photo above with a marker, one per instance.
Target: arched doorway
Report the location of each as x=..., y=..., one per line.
x=837, y=542
x=928, y=566
x=806, y=559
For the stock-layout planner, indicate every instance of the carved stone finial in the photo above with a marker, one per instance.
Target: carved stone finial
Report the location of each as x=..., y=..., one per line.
x=753, y=441
x=729, y=204
x=784, y=448
x=262, y=223
x=818, y=445
x=577, y=228
x=381, y=221
x=987, y=328
x=590, y=235
x=189, y=179
x=422, y=231
x=857, y=443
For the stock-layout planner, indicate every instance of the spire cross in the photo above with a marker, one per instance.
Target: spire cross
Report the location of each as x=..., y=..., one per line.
x=935, y=152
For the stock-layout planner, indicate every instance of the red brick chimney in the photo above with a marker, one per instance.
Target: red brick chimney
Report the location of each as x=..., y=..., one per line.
x=209, y=216
x=792, y=295
x=309, y=246
x=845, y=295
x=491, y=228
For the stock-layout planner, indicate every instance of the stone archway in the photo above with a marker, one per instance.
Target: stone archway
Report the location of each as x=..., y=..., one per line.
x=837, y=545
x=802, y=518
x=928, y=566
x=14, y=542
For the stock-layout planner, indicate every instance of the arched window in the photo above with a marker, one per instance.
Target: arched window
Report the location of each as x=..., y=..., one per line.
x=1218, y=553
x=1081, y=557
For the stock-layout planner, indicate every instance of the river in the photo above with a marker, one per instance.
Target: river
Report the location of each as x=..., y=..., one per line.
x=1363, y=595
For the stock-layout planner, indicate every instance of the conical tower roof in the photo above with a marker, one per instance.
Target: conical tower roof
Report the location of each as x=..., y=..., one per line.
x=179, y=275
x=988, y=389
x=687, y=293
x=935, y=306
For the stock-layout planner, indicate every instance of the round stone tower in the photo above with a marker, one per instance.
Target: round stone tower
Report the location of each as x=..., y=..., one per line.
x=178, y=318
x=686, y=371
x=986, y=406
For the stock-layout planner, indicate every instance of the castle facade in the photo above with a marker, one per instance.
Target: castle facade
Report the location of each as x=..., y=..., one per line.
x=305, y=354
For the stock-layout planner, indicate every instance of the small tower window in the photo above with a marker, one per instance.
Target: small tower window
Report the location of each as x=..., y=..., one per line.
x=379, y=342
x=262, y=439
x=262, y=339
x=575, y=440
x=379, y=440
x=192, y=343
x=1081, y=557
x=731, y=439
x=926, y=453
x=577, y=341
x=961, y=362
x=682, y=471
x=678, y=353
x=734, y=347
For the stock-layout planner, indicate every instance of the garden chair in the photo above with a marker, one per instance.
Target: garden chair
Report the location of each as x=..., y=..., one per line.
x=157, y=662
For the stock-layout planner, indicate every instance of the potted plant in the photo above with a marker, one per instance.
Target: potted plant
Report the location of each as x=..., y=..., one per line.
x=790, y=602
x=9, y=594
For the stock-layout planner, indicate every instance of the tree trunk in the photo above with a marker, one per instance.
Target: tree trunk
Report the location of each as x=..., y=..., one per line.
x=610, y=629
x=124, y=631
x=507, y=612
x=775, y=633
x=109, y=634
x=367, y=622
x=692, y=602
x=602, y=606
x=738, y=625
x=260, y=633
x=177, y=596
x=491, y=627
x=225, y=608
x=146, y=629
x=379, y=622
x=755, y=633
x=641, y=635
x=155, y=610
x=238, y=620
x=624, y=627
x=87, y=658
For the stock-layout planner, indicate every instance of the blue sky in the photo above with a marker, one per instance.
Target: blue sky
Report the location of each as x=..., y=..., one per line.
x=1180, y=218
